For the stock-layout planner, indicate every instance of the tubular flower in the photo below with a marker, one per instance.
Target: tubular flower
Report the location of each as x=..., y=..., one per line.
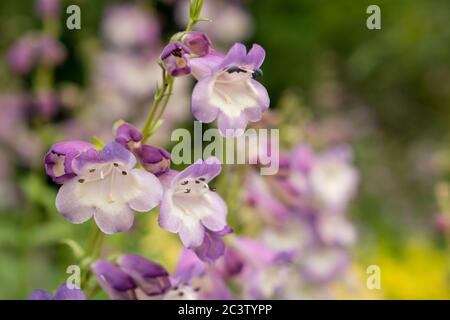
x=230, y=92
x=107, y=188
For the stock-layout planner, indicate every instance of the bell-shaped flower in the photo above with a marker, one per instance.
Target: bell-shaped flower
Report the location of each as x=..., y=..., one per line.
x=108, y=188
x=58, y=160
x=190, y=207
x=230, y=92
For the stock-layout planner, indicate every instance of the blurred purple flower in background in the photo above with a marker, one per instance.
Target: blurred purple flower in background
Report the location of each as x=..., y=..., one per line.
x=48, y=8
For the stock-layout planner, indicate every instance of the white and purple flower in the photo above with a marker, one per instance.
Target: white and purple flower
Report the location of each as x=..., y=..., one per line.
x=108, y=188
x=58, y=160
x=229, y=92
x=191, y=208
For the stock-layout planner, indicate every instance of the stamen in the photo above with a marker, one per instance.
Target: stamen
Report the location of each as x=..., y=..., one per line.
x=212, y=189
x=226, y=97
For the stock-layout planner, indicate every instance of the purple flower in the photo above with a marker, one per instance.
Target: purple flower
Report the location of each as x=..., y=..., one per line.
x=149, y=276
x=62, y=293
x=108, y=188
x=48, y=8
x=197, y=42
x=212, y=247
x=175, y=57
x=190, y=207
x=126, y=26
x=333, y=179
x=323, y=264
x=193, y=279
x=127, y=135
x=58, y=160
x=47, y=103
x=230, y=93
x=116, y=282
x=22, y=55
x=153, y=159
x=51, y=51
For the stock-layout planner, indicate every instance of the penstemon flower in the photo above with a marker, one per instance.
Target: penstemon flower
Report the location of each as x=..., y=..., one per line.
x=229, y=91
x=190, y=207
x=175, y=57
x=107, y=188
x=58, y=160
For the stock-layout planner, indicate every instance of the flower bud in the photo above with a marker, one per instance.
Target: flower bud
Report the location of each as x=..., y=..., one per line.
x=175, y=57
x=153, y=159
x=58, y=160
x=48, y=8
x=197, y=42
x=127, y=135
x=151, y=277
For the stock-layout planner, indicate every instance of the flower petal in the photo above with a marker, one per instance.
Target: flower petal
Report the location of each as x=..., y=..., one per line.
x=116, y=152
x=191, y=235
x=209, y=169
x=148, y=193
x=236, y=55
x=119, y=218
x=201, y=107
x=255, y=56
x=231, y=127
x=67, y=203
x=40, y=295
x=64, y=293
x=217, y=220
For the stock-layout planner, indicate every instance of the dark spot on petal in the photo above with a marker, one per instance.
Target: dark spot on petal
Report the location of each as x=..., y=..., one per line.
x=92, y=170
x=187, y=191
x=197, y=289
x=196, y=181
x=184, y=183
x=212, y=189
x=175, y=288
x=124, y=173
x=81, y=180
x=202, y=179
x=181, y=293
x=115, y=164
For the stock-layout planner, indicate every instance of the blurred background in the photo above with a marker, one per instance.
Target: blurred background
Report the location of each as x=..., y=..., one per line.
x=386, y=93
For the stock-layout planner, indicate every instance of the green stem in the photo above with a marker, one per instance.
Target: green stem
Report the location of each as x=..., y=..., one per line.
x=168, y=80
x=92, y=253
